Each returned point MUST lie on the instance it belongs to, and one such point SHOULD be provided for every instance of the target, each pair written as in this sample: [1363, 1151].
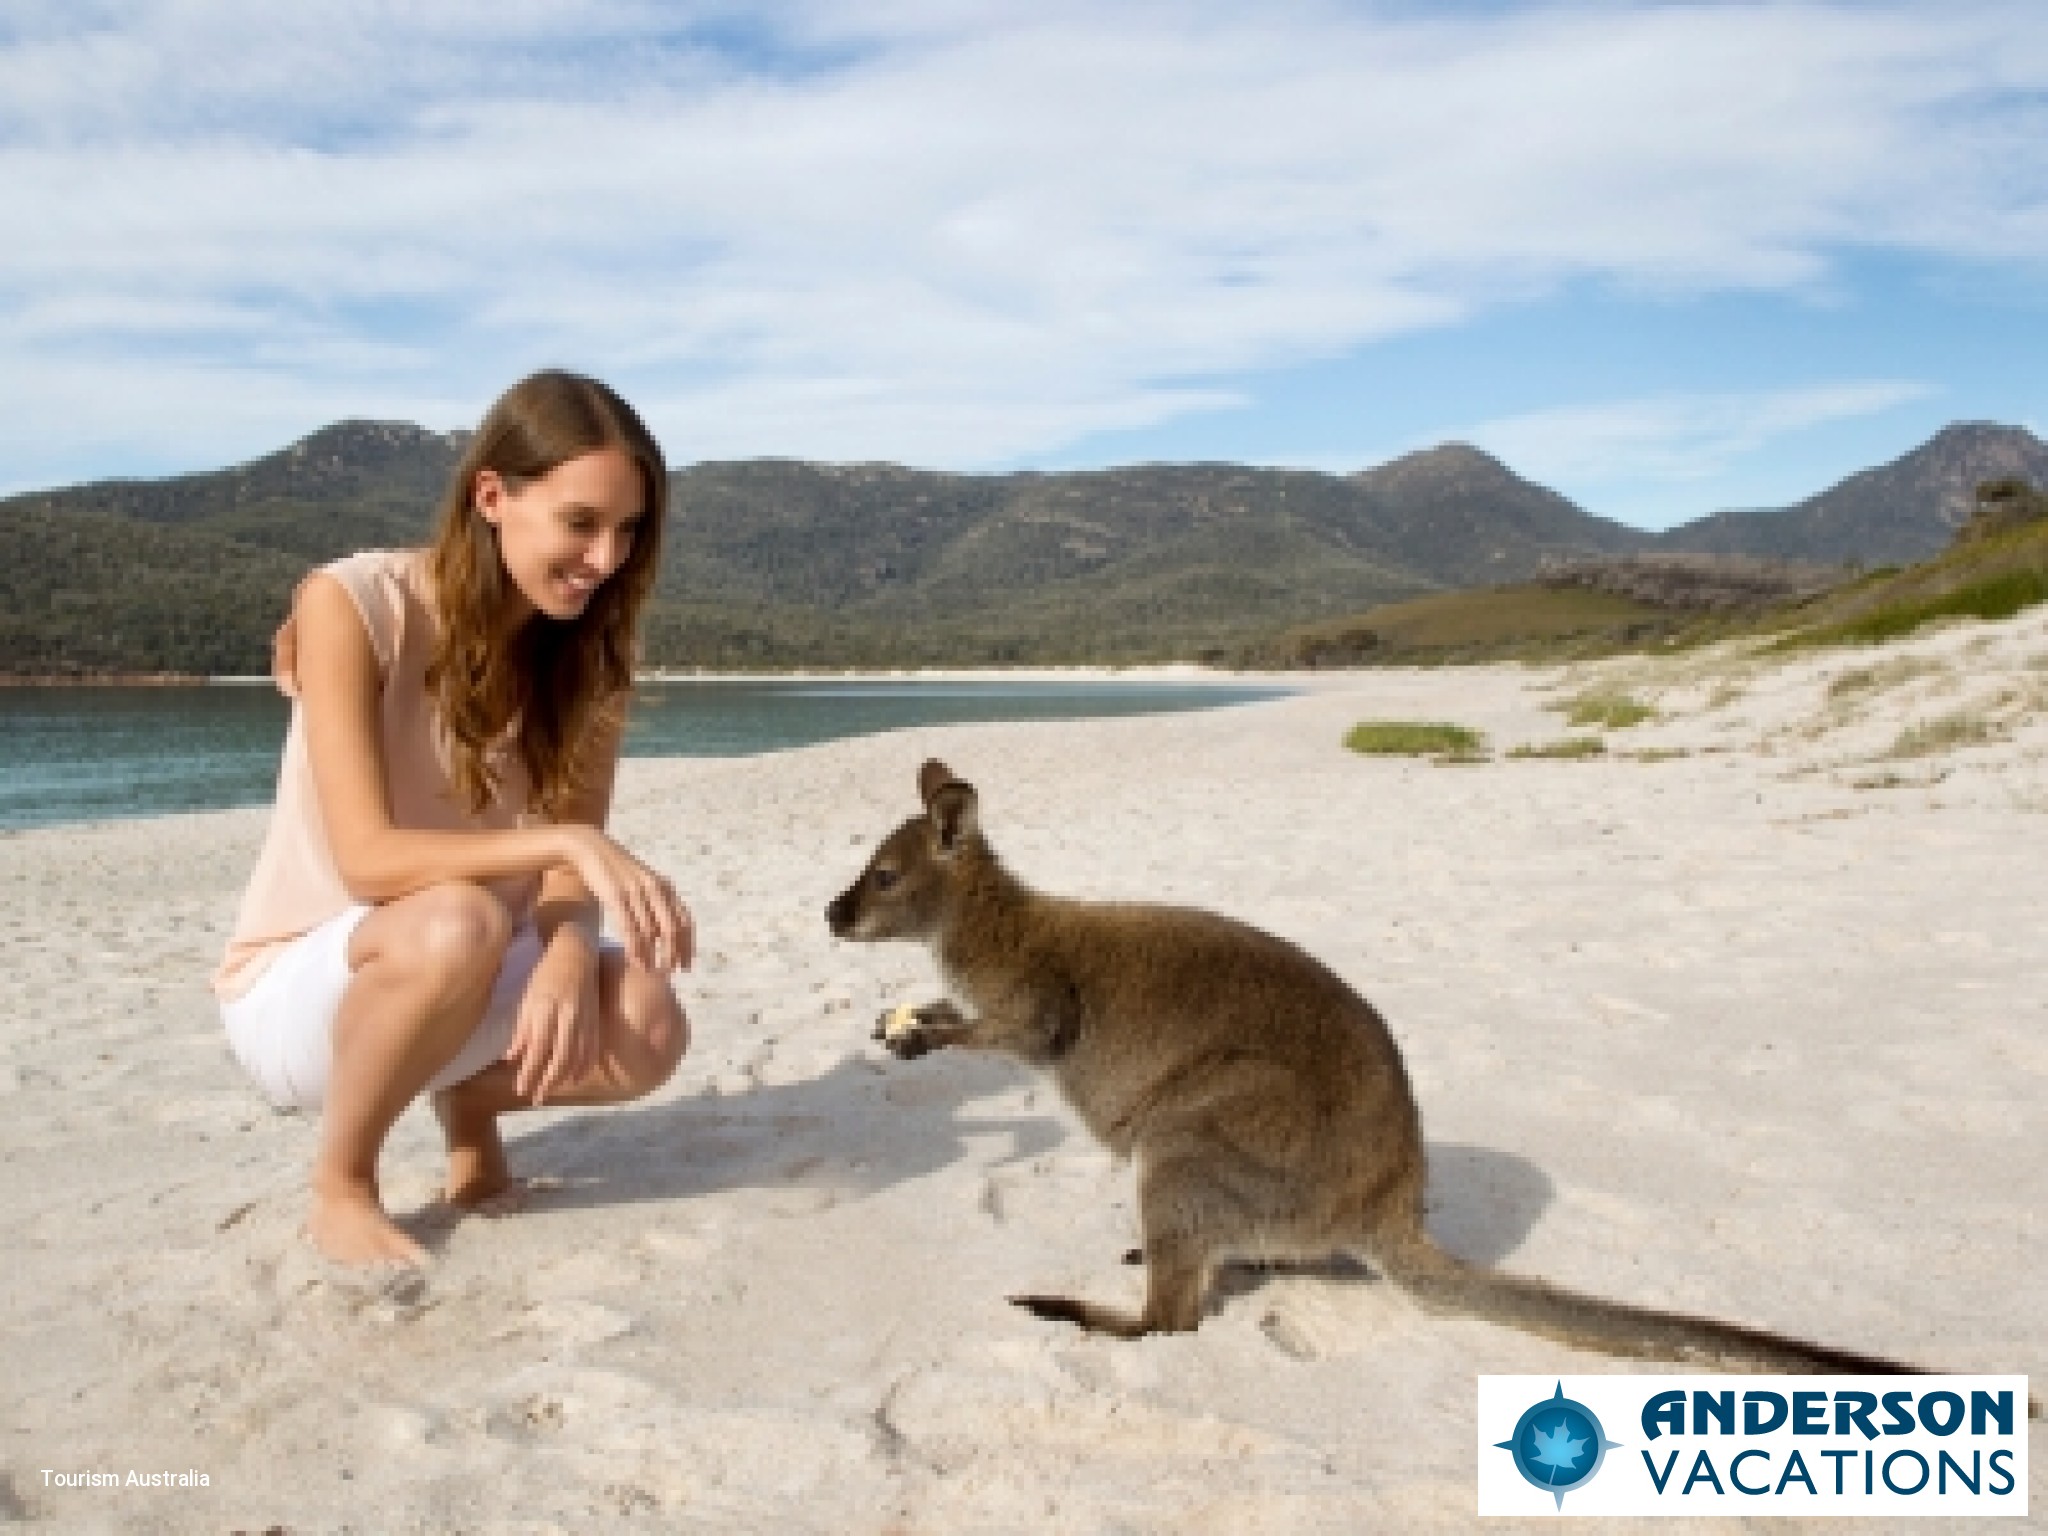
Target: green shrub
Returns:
[1995, 597]
[1612, 710]
[1964, 728]
[1407, 738]
[1569, 746]
[1900, 669]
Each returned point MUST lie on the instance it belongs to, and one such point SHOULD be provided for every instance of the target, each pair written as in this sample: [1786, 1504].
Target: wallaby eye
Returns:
[884, 878]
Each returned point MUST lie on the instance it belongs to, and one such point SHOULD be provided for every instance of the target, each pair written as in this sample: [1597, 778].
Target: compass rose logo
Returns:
[1558, 1445]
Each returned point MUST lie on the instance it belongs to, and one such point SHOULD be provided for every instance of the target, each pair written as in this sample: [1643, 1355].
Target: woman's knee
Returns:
[457, 930]
[656, 1032]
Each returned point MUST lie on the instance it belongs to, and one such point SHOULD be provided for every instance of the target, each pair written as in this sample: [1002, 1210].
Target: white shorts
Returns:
[282, 1028]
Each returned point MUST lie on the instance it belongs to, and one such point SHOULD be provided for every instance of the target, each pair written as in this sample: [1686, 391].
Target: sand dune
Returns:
[1744, 1016]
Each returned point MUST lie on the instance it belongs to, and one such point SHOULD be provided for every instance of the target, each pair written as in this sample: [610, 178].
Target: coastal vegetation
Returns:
[1995, 565]
[1885, 674]
[1959, 728]
[1409, 738]
[92, 593]
[1612, 711]
[1998, 596]
[1522, 621]
[1565, 747]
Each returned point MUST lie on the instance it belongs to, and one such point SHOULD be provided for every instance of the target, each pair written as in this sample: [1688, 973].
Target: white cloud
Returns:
[943, 234]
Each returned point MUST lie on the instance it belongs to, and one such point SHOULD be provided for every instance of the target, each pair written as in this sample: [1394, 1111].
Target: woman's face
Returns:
[564, 534]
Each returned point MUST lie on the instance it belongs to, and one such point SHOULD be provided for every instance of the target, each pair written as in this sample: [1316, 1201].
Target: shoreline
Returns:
[1189, 672]
[105, 680]
[1144, 672]
[1276, 687]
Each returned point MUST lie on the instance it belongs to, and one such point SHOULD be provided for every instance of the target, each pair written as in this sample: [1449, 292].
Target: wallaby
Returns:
[1263, 1099]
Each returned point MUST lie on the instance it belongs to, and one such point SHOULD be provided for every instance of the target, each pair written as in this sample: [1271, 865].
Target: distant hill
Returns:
[1992, 566]
[780, 563]
[349, 486]
[1470, 520]
[1893, 515]
[776, 563]
[1154, 560]
[90, 593]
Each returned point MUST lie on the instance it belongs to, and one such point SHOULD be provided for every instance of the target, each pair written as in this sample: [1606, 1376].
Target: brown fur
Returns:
[1263, 1099]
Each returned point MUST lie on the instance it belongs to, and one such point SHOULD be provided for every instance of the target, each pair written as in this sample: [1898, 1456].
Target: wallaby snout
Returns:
[895, 896]
[840, 912]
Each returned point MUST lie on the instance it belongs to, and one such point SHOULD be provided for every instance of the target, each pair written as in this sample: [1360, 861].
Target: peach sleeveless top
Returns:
[296, 886]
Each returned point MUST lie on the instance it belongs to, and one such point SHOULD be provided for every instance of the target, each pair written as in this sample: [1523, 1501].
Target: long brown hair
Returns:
[558, 680]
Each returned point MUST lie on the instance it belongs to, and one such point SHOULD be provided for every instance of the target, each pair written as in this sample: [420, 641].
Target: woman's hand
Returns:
[556, 1041]
[649, 917]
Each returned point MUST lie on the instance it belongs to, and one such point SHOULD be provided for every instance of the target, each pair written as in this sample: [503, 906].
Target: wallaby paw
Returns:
[907, 1032]
[1134, 1255]
[908, 1044]
[898, 1029]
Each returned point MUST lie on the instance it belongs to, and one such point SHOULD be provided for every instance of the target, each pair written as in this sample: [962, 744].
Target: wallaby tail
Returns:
[1447, 1284]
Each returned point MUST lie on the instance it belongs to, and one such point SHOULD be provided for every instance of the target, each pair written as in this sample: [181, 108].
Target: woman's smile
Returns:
[577, 587]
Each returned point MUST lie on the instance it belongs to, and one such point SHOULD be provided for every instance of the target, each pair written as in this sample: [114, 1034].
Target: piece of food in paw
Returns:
[902, 1020]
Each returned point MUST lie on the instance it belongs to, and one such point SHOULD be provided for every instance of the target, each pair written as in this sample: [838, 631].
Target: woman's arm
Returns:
[565, 898]
[557, 1038]
[336, 676]
[644, 901]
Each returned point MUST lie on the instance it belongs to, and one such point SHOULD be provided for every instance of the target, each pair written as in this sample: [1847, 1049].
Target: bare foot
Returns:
[477, 1171]
[348, 1225]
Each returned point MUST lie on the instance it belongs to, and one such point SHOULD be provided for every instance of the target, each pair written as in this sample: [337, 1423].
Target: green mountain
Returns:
[1898, 513]
[777, 563]
[782, 563]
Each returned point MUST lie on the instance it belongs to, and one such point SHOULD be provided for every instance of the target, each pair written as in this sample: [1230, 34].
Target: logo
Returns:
[1558, 1444]
[1742, 1445]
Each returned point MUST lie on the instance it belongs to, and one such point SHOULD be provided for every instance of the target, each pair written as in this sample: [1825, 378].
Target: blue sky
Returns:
[1665, 258]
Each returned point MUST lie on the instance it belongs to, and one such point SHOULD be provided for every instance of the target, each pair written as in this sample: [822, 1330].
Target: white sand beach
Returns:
[1743, 1017]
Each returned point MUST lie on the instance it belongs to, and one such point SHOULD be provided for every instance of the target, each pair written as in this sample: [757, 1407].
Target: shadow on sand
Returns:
[1480, 1205]
[867, 1125]
[858, 1129]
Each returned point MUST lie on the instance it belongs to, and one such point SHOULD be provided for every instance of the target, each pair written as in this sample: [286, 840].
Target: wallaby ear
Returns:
[931, 778]
[955, 816]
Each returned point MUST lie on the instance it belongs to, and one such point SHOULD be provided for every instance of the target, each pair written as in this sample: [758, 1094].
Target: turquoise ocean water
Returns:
[92, 754]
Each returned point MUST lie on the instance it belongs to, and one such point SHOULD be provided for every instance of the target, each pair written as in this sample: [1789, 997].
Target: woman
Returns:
[424, 913]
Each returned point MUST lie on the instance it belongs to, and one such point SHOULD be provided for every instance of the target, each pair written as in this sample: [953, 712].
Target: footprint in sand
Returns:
[521, 1194]
[568, 1324]
[997, 1424]
[1316, 1318]
[718, 1463]
[1289, 1336]
[411, 1429]
[800, 1200]
[379, 1293]
[681, 1251]
[585, 1271]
